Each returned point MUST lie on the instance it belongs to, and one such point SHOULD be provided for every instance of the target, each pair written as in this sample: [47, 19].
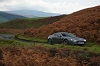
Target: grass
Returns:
[95, 48]
[4, 43]
[23, 23]
[35, 24]
[31, 19]
[90, 46]
[32, 39]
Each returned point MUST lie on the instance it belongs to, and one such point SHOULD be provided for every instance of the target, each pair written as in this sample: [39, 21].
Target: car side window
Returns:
[64, 35]
[58, 35]
[55, 34]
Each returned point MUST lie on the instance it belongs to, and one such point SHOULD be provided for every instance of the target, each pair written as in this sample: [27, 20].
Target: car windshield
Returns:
[68, 34]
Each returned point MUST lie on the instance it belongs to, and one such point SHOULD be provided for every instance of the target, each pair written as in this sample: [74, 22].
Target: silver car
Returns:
[66, 38]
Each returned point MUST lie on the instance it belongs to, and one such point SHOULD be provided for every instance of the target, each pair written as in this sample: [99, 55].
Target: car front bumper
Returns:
[78, 43]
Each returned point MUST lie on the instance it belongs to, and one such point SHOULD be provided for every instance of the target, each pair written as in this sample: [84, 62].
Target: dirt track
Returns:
[40, 56]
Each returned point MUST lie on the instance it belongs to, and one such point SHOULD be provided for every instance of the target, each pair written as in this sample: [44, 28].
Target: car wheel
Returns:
[66, 42]
[49, 41]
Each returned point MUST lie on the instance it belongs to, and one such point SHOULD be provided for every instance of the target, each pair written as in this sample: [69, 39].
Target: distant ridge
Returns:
[32, 13]
[30, 22]
[4, 16]
[2, 19]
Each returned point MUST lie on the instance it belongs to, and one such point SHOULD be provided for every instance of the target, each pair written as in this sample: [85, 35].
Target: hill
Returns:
[2, 19]
[84, 23]
[30, 22]
[7, 16]
[32, 13]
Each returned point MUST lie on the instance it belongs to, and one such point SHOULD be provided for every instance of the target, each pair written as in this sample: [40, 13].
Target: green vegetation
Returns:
[94, 48]
[6, 43]
[35, 18]
[23, 23]
[31, 41]
[30, 22]
[2, 19]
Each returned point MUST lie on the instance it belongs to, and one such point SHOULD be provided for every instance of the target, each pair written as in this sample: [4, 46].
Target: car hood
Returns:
[80, 39]
[76, 38]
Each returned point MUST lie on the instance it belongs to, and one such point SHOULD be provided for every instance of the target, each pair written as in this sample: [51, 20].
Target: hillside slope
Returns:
[9, 16]
[30, 22]
[2, 19]
[84, 23]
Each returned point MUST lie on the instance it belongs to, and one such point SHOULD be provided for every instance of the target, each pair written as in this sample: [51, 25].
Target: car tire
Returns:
[66, 42]
[50, 41]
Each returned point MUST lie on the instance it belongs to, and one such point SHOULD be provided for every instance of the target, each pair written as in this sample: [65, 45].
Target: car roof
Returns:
[62, 32]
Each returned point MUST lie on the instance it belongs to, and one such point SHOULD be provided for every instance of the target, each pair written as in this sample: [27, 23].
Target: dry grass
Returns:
[41, 56]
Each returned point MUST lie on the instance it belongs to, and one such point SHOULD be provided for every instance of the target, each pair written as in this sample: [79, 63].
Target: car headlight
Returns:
[73, 40]
[84, 40]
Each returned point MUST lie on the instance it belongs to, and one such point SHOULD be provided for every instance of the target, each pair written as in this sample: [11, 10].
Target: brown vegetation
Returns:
[14, 31]
[40, 56]
[84, 23]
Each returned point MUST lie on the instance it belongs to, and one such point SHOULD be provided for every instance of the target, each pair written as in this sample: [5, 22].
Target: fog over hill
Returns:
[32, 13]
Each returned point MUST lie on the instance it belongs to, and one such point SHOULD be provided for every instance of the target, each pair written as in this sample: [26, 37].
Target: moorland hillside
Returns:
[84, 23]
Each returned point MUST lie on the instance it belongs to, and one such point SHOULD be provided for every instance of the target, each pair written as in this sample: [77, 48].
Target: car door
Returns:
[57, 38]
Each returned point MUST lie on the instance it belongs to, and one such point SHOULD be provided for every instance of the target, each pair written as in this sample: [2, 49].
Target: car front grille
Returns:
[81, 42]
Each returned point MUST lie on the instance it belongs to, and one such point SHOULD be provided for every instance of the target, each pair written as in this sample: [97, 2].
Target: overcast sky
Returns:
[54, 6]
